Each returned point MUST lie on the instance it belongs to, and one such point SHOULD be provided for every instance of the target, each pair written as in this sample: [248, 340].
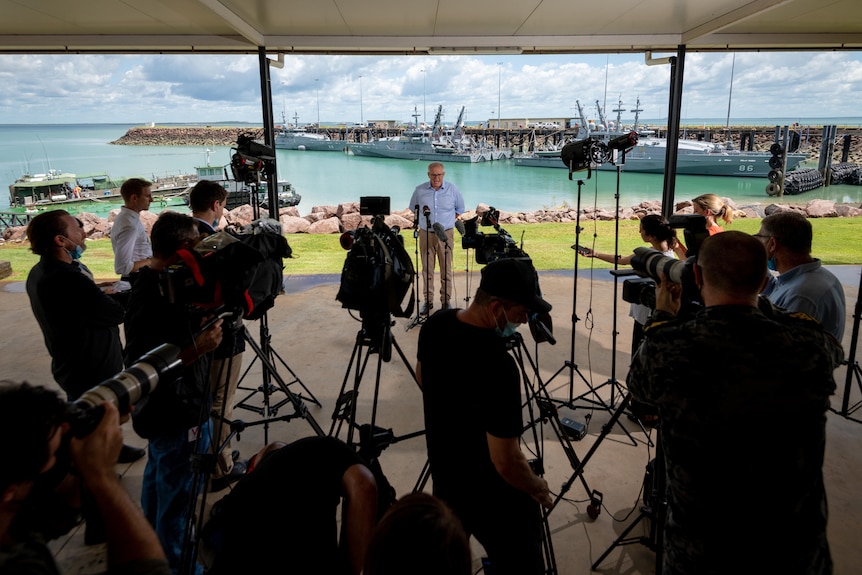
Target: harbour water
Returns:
[330, 178]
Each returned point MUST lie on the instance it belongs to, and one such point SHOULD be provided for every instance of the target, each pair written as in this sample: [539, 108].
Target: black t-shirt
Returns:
[281, 517]
[471, 387]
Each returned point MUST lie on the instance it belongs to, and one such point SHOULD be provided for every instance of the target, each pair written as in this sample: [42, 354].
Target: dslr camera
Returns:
[649, 264]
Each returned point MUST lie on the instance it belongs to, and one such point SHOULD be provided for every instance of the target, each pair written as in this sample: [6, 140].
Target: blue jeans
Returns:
[167, 489]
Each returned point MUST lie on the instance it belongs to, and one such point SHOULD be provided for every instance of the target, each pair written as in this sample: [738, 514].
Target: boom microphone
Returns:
[441, 233]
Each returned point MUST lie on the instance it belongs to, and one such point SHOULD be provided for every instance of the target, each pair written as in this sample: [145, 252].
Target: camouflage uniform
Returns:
[742, 395]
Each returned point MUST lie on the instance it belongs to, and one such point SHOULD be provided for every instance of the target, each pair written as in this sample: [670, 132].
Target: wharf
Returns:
[761, 137]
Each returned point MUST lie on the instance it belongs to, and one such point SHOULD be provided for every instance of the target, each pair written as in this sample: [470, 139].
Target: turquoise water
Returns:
[330, 178]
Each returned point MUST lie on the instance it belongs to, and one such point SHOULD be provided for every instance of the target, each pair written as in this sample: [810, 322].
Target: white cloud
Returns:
[212, 88]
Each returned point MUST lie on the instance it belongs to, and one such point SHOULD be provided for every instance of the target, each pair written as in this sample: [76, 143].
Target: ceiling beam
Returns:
[740, 14]
[248, 31]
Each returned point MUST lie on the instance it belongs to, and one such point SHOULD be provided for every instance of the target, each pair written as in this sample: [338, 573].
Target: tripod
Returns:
[375, 337]
[852, 365]
[570, 365]
[654, 509]
[267, 357]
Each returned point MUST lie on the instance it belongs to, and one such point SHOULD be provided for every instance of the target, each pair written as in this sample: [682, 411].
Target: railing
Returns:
[12, 219]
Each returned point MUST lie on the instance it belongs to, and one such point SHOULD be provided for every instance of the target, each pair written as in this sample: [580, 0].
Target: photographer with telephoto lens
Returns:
[726, 383]
[174, 418]
[38, 453]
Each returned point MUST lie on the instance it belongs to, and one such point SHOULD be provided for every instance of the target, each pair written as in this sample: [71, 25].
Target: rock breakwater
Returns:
[189, 136]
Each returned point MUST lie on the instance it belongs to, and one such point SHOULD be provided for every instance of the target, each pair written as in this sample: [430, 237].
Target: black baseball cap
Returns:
[515, 280]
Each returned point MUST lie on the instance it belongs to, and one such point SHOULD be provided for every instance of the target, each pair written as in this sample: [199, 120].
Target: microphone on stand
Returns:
[459, 225]
[427, 212]
[441, 233]
[416, 217]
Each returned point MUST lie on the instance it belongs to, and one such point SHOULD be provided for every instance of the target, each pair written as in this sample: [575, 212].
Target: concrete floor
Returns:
[314, 337]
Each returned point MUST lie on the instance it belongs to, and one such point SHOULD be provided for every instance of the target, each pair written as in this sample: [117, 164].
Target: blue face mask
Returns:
[507, 331]
[76, 253]
[770, 264]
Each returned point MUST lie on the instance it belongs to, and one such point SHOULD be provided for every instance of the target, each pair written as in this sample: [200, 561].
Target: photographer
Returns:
[33, 441]
[736, 481]
[473, 417]
[175, 417]
[656, 230]
[207, 200]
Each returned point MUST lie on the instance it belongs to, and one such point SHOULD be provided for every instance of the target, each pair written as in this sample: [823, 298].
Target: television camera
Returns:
[239, 269]
[251, 159]
[378, 271]
[489, 247]
[649, 264]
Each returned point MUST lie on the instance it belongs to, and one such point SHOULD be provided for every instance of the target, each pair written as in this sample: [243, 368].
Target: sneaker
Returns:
[237, 473]
[129, 454]
[426, 308]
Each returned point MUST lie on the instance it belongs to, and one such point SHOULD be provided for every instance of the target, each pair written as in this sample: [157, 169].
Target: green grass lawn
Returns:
[836, 241]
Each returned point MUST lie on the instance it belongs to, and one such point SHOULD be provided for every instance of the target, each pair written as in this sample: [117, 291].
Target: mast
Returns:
[729, 98]
[619, 111]
[601, 115]
[459, 125]
[435, 130]
[637, 112]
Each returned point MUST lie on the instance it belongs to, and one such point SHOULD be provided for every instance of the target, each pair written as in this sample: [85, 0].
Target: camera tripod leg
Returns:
[345, 409]
[655, 512]
[270, 373]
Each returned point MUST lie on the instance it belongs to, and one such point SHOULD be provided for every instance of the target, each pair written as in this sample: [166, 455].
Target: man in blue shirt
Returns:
[803, 284]
[438, 204]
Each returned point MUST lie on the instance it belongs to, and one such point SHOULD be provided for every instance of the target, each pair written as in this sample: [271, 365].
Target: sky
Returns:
[48, 89]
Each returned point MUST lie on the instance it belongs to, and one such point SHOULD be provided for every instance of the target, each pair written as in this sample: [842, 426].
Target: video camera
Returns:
[377, 271]
[649, 264]
[489, 247]
[240, 269]
[250, 159]
[125, 389]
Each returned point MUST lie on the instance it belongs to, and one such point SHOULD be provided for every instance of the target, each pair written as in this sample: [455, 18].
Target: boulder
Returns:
[328, 226]
[294, 224]
[821, 209]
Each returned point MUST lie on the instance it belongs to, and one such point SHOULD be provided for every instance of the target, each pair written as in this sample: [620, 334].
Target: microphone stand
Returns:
[427, 266]
[418, 319]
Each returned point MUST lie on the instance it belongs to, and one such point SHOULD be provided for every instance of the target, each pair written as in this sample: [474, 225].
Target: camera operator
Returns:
[439, 204]
[207, 200]
[742, 390]
[175, 417]
[803, 284]
[34, 446]
[79, 322]
[473, 417]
